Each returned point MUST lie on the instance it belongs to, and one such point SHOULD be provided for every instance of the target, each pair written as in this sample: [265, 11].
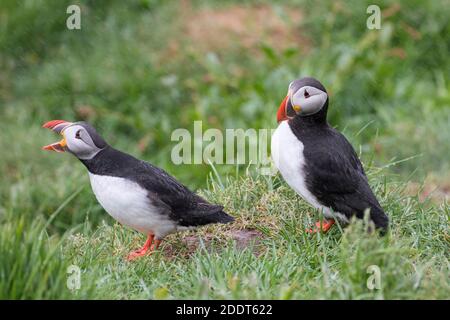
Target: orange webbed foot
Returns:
[149, 246]
[322, 226]
[136, 254]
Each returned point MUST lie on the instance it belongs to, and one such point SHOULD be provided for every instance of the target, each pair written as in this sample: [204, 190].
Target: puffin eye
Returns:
[306, 94]
[77, 134]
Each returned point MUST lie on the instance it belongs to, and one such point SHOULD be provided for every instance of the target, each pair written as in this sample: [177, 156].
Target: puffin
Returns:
[136, 193]
[318, 162]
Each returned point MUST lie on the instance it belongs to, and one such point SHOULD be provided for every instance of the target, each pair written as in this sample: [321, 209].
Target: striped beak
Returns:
[281, 113]
[57, 126]
[286, 110]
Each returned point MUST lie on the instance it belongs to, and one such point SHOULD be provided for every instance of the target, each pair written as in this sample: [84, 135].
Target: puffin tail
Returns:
[206, 213]
[215, 214]
[223, 217]
[380, 219]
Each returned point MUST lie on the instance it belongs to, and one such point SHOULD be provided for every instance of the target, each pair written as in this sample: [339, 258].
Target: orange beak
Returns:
[57, 126]
[281, 113]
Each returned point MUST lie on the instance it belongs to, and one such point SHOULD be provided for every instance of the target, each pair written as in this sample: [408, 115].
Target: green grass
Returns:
[137, 71]
[288, 263]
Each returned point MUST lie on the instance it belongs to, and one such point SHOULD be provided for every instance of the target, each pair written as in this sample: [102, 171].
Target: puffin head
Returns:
[79, 138]
[306, 97]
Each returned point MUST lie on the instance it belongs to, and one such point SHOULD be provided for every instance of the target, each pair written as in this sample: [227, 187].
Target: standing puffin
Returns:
[132, 191]
[318, 162]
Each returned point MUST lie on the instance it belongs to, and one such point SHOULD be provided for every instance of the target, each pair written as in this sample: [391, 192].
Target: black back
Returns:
[334, 173]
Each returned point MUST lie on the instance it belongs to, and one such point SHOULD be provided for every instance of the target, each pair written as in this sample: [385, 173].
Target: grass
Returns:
[286, 262]
[137, 73]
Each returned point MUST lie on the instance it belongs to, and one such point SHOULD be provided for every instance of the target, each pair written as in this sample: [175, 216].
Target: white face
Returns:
[307, 100]
[79, 142]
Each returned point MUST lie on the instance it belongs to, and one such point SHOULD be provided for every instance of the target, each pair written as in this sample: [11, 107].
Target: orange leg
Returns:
[323, 226]
[148, 245]
[155, 245]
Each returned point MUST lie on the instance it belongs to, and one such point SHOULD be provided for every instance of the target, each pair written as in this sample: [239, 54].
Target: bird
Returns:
[318, 162]
[134, 192]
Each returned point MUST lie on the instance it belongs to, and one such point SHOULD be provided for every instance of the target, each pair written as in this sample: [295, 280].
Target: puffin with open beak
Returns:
[318, 162]
[134, 192]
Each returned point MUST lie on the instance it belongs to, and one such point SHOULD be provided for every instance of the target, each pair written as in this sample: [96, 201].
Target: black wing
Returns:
[182, 205]
[336, 177]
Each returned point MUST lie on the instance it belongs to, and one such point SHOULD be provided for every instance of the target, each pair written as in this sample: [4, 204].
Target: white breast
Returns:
[287, 155]
[128, 203]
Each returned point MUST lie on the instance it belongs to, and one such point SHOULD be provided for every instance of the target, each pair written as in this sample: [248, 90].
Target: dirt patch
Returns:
[242, 26]
[244, 238]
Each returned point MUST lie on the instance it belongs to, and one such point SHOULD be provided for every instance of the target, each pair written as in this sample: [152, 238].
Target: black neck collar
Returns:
[316, 119]
[109, 161]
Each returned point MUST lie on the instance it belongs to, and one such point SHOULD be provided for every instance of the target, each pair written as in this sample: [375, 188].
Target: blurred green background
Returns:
[139, 69]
